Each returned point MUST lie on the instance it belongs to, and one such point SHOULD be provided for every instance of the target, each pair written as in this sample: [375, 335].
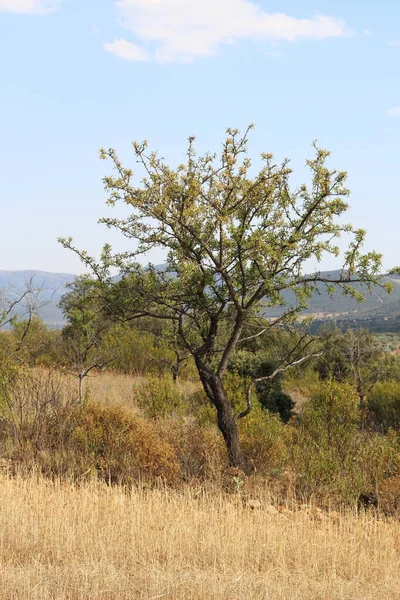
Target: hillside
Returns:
[325, 306]
[380, 310]
[52, 287]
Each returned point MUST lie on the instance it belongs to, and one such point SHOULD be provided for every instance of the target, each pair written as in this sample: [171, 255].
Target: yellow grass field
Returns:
[61, 541]
[122, 390]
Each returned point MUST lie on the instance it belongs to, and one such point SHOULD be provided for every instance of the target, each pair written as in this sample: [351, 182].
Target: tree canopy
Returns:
[235, 242]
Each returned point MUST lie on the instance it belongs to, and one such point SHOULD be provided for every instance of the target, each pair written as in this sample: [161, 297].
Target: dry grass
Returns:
[113, 389]
[59, 541]
[122, 390]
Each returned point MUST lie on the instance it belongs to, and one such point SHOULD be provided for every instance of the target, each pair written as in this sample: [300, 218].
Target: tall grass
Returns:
[61, 541]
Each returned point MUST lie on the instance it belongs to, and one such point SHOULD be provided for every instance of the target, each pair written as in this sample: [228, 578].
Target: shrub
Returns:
[42, 426]
[323, 440]
[199, 448]
[264, 441]
[389, 496]
[329, 454]
[36, 407]
[269, 392]
[158, 396]
[202, 409]
[383, 405]
[123, 447]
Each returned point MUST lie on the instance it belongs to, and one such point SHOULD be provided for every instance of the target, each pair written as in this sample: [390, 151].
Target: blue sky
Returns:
[80, 74]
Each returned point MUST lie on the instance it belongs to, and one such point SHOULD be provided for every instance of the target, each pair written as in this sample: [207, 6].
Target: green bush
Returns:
[41, 346]
[264, 441]
[329, 454]
[331, 416]
[250, 365]
[323, 439]
[201, 408]
[383, 405]
[158, 396]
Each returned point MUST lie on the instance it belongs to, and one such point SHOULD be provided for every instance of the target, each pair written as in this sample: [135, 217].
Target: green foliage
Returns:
[331, 416]
[235, 388]
[329, 453]
[86, 326]
[134, 350]
[323, 440]
[40, 345]
[383, 406]
[269, 392]
[264, 441]
[202, 409]
[139, 350]
[354, 356]
[158, 396]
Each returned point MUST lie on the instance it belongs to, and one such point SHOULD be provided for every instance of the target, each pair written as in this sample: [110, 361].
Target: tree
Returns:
[260, 365]
[17, 310]
[41, 345]
[355, 356]
[82, 336]
[176, 356]
[235, 243]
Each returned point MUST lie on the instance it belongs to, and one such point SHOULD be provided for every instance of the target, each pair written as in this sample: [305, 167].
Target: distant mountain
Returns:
[324, 306]
[52, 287]
[380, 310]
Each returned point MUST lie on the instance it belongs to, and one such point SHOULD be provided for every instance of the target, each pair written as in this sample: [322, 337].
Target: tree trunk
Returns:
[227, 423]
[80, 387]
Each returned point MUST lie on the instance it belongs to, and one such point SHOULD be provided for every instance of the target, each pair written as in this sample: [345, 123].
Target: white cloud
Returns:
[127, 50]
[183, 30]
[367, 32]
[29, 7]
[394, 112]
[394, 43]
[95, 30]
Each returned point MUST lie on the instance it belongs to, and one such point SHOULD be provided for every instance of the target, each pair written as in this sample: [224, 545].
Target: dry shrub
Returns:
[389, 496]
[43, 427]
[200, 450]
[36, 409]
[123, 447]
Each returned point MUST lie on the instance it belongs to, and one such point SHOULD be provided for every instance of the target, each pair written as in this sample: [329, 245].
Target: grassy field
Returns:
[123, 390]
[61, 541]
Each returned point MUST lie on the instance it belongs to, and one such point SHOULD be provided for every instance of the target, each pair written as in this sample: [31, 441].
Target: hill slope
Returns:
[324, 306]
[378, 305]
[52, 287]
